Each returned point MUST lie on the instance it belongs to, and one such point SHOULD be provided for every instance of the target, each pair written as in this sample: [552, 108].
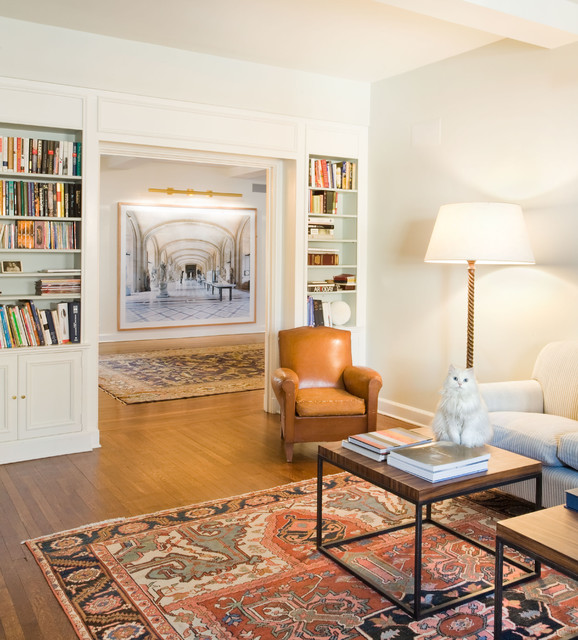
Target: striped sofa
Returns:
[538, 418]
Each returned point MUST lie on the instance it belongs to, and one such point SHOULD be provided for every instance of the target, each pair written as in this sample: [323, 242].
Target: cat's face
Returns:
[461, 379]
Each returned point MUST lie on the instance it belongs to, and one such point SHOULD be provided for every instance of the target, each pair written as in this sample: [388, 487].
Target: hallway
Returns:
[187, 302]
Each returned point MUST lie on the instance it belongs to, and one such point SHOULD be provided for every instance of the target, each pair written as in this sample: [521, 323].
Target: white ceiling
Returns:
[364, 40]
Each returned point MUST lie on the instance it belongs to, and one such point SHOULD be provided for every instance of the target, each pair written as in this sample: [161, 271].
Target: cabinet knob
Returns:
[14, 397]
[23, 397]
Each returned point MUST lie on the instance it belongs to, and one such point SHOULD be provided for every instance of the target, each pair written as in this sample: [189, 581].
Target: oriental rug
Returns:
[246, 567]
[171, 374]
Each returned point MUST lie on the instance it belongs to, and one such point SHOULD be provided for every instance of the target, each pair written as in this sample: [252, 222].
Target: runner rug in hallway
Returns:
[170, 374]
[247, 567]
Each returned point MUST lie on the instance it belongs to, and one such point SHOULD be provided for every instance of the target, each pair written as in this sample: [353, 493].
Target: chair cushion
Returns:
[534, 435]
[568, 449]
[327, 401]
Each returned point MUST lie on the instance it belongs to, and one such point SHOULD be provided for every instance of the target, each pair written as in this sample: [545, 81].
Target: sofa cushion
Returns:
[535, 435]
[327, 401]
[568, 449]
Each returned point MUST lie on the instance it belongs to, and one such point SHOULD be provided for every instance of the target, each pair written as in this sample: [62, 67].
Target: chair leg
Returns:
[289, 451]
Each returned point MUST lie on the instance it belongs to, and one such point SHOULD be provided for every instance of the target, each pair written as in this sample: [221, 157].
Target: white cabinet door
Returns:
[49, 394]
[8, 398]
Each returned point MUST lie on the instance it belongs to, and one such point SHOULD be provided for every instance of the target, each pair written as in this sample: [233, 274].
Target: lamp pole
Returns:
[471, 283]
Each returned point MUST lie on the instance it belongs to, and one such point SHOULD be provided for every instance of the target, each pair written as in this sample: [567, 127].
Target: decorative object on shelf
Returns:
[185, 266]
[461, 415]
[340, 312]
[193, 192]
[11, 266]
[483, 233]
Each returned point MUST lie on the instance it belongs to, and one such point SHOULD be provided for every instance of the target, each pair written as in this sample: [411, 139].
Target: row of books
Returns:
[378, 444]
[332, 174]
[34, 155]
[318, 312]
[323, 202]
[54, 286]
[320, 257]
[40, 199]
[39, 234]
[25, 325]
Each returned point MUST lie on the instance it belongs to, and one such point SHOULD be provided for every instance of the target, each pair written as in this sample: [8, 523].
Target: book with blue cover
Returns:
[572, 499]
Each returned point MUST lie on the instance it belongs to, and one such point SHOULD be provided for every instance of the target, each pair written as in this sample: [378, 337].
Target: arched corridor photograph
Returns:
[184, 266]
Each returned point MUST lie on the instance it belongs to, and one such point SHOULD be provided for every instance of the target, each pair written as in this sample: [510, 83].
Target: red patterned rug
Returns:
[246, 567]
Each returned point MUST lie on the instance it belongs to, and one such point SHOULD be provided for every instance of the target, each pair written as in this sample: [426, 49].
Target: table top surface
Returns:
[550, 533]
[503, 467]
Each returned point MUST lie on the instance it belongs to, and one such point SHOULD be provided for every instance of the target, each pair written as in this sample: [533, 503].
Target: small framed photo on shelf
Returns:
[11, 266]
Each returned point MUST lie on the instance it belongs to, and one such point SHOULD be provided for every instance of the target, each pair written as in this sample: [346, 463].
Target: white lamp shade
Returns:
[484, 232]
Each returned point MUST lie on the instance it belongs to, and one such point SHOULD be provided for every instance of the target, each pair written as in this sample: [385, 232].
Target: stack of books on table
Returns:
[441, 460]
[378, 444]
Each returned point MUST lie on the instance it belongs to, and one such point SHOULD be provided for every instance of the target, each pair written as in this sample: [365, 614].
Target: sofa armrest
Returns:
[517, 395]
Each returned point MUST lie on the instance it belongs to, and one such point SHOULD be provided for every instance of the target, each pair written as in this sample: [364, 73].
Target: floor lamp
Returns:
[479, 233]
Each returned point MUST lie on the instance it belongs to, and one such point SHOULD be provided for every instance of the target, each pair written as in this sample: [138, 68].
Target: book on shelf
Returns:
[63, 322]
[438, 456]
[378, 457]
[320, 286]
[387, 440]
[48, 327]
[572, 499]
[74, 321]
[441, 474]
[318, 313]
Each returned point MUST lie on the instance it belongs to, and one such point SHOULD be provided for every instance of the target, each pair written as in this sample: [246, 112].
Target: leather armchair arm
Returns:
[285, 385]
[362, 382]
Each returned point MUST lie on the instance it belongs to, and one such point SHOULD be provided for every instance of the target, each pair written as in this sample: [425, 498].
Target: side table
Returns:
[549, 535]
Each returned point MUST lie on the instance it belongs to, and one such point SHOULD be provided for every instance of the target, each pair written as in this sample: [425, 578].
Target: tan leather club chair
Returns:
[322, 396]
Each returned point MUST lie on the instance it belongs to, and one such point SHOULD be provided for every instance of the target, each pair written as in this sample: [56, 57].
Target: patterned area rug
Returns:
[170, 374]
[246, 567]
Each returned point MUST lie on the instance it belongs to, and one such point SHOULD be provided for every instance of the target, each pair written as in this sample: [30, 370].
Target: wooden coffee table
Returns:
[550, 535]
[504, 467]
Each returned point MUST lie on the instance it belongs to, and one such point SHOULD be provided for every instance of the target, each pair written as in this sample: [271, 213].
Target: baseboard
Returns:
[404, 412]
[35, 448]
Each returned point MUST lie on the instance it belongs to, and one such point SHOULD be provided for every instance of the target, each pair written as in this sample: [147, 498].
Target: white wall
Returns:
[62, 56]
[496, 124]
[128, 180]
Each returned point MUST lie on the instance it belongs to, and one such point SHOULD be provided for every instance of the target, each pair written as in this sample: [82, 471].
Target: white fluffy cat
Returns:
[461, 415]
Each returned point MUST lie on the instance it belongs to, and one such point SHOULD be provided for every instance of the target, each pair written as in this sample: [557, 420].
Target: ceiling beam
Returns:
[544, 23]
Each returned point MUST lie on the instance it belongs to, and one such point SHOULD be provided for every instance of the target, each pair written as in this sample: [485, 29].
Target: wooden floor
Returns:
[152, 456]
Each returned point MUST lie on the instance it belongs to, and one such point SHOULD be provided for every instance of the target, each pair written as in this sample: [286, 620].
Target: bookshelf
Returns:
[332, 241]
[41, 265]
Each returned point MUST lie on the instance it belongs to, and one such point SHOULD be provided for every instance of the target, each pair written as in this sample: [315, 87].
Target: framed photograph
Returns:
[184, 266]
[11, 266]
